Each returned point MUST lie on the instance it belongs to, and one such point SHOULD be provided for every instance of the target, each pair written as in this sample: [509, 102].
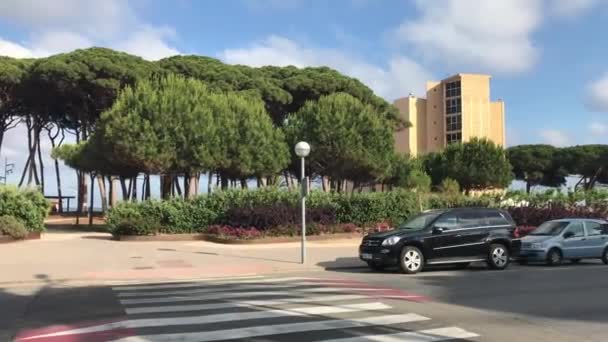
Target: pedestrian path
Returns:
[263, 309]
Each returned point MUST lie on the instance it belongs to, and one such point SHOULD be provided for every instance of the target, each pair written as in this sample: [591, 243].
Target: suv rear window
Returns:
[496, 218]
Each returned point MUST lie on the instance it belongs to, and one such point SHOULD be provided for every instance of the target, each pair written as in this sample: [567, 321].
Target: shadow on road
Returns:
[569, 291]
[51, 303]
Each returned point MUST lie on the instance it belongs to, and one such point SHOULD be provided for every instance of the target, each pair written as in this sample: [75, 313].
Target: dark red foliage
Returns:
[535, 216]
[277, 215]
[522, 231]
[234, 232]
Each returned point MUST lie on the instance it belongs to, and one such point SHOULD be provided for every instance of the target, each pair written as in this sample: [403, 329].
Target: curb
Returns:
[212, 238]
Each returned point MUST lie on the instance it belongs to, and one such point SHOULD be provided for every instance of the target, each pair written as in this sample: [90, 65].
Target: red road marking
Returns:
[379, 292]
[98, 336]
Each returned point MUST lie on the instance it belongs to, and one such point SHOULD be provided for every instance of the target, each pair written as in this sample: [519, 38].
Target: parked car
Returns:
[566, 239]
[447, 236]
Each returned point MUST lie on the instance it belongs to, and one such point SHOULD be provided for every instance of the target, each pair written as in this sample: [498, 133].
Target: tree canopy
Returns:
[537, 165]
[349, 141]
[76, 87]
[590, 162]
[477, 164]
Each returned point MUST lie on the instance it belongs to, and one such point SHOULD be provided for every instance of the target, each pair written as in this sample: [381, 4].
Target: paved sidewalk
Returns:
[61, 257]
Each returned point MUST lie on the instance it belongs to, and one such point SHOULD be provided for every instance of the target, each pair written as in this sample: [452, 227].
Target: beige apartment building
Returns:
[455, 109]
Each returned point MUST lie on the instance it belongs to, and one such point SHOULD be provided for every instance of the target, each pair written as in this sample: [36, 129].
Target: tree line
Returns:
[547, 165]
[184, 116]
[187, 115]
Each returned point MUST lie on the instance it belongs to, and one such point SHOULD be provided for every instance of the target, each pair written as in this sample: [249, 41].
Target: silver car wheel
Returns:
[412, 260]
[499, 256]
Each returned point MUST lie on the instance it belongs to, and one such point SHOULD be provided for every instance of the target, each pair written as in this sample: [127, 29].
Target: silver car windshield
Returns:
[419, 222]
[550, 228]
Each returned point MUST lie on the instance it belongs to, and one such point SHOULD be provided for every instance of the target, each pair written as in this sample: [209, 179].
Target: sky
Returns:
[546, 57]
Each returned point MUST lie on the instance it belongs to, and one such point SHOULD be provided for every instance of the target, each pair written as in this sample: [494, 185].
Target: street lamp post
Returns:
[302, 151]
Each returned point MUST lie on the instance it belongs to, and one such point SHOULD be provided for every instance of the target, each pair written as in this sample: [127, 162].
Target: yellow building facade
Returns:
[455, 109]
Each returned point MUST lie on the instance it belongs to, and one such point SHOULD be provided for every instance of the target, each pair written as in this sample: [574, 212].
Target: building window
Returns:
[453, 106]
[453, 123]
[452, 138]
[452, 89]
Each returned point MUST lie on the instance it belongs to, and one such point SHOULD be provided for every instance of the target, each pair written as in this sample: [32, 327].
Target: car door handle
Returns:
[583, 239]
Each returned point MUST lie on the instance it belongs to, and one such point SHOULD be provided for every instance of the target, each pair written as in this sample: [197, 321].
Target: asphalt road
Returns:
[523, 303]
[569, 299]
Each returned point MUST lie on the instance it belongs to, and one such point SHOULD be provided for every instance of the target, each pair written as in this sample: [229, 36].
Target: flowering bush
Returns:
[382, 227]
[234, 232]
[535, 216]
[237, 233]
[265, 217]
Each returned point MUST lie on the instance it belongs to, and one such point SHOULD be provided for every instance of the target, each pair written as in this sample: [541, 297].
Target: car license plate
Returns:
[366, 256]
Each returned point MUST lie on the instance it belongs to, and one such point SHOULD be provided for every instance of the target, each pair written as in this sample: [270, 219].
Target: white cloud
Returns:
[571, 8]
[597, 94]
[555, 137]
[598, 128]
[149, 43]
[494, 36]
[65, 25]
[400, 77]
[14, 50]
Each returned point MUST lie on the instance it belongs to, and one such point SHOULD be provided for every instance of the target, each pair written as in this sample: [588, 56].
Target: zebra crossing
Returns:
[264, 309]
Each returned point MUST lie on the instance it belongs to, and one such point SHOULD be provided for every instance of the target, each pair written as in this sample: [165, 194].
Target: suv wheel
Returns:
[605, 256]
[411, 260]
[375, 266]
[498, 258]
[554, 257]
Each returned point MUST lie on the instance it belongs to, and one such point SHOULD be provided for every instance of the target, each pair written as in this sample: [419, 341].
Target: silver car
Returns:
[566, 239]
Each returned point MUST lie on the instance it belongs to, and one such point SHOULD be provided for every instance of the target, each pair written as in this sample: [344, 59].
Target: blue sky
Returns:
[547, 57]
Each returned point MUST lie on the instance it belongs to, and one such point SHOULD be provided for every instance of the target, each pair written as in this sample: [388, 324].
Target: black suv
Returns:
[447, 236]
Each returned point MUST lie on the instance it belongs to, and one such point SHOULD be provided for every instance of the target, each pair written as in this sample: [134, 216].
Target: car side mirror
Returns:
[438, 230]
[568, 235]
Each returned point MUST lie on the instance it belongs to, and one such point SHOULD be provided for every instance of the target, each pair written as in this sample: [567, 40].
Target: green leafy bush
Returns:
[29, 206]
[12, 227]
[274, 209]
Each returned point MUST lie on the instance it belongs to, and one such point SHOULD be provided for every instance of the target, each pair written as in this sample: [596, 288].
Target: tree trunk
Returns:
[166, 186]
[528, 187]
[134, 189]
[197, 187]
[102, 193]
[224, 180]
[178, 189]
[41, 164]
[30, 165]
[143, 188]
[52, 138]
[113, 191]
[192, 183]
[25, 170]
[243, 183]
[209, 182]
[287, 179]
[147, 191]
[92, 200]
[187, 186]
[123, 187]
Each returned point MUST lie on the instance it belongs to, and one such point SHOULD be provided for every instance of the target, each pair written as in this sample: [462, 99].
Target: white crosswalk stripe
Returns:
[276, 309]
[245, 303]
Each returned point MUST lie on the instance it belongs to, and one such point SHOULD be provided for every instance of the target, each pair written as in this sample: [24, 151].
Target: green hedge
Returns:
[27, 205]
[361, 209]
